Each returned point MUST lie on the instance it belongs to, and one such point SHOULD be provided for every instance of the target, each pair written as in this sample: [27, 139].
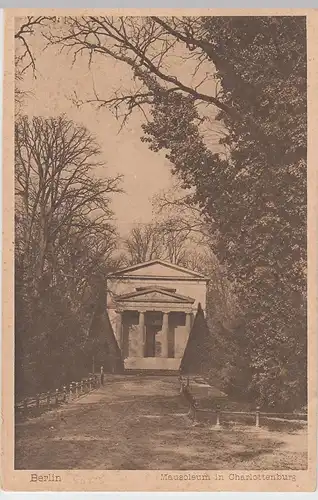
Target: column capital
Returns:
[165, 318]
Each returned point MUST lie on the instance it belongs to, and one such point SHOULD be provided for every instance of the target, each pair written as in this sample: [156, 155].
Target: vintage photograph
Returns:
[160, 308]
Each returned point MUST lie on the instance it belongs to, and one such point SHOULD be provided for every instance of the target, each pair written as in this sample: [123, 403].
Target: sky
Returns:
[145, 173]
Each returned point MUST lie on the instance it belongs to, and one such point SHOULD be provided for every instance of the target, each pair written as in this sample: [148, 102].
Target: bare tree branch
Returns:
[146, 46]
[26, 30]
[114, 37]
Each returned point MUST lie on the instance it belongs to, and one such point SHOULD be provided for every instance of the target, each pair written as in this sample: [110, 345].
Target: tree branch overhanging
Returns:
[138, 43]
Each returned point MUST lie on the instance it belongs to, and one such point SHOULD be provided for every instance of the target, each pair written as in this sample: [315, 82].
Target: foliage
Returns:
[257, 196]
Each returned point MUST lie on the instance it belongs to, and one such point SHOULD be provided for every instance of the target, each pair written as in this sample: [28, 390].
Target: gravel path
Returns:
[140, 422]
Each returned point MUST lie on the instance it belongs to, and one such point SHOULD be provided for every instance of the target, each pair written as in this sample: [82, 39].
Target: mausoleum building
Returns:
[151, 307]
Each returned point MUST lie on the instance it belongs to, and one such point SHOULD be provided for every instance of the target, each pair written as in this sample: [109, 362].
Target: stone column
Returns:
[141, 334]
[165, 333]
[188, 322]
[119, 330]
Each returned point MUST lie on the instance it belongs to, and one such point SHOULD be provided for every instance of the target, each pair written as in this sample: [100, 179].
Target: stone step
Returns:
[147, 372]
[158, 363]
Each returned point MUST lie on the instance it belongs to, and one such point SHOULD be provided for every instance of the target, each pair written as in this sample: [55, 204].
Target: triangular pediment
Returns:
[154, 295]
[158, 268]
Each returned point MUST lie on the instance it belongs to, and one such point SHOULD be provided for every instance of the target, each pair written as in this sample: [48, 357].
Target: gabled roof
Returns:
[158, 268]
[154, 294]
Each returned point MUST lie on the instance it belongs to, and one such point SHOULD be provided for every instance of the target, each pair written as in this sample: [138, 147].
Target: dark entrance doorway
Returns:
[153, 326]
[152, 348]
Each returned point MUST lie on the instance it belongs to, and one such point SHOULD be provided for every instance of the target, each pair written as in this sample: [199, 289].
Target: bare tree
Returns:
[58, 197]
[143, 243]
[176, 240]
[190, 216]
[64, 244]
[167, 239]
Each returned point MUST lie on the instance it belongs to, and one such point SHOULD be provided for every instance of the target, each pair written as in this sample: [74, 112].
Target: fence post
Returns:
[64, 394]
[194, 411]
[190, 410]
[90, 383]
[82, 386]
[56, 397]
[218, 425]
[76, 389]
[257, 416]
[188, 397]
[101, 375]
[71, 390]
[181, 384]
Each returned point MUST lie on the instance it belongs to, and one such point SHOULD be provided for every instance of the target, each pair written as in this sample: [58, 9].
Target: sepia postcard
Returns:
[159, 250]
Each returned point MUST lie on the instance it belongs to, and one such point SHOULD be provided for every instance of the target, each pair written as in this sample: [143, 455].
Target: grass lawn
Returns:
[141, 423]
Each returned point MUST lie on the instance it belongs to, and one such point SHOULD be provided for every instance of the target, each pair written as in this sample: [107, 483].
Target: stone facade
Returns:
[151, 307]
